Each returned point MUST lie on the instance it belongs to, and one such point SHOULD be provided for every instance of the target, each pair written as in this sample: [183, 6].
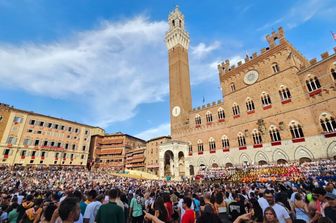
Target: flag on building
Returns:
[333, 35]
[203, 99]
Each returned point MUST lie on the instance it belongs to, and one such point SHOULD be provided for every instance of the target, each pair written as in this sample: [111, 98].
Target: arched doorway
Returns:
[192, 171]
[181, 164]
[168, 163]
[214, 165]
[304, 160]
[262, 162]
[281, 161]
[228, 165]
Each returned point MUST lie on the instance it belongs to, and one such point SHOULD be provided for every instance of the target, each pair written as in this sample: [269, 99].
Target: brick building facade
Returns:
[278, 107]
[29, 138]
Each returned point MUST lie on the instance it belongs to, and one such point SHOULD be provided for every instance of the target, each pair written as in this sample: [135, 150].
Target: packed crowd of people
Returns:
[64, 194]
[323, 169]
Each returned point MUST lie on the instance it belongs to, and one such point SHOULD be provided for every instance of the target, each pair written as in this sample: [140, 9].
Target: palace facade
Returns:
[118, 151]
[29, 138]
[277, 106]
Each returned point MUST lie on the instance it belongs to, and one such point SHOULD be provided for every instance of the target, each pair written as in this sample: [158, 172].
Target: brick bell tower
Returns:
[177, 41]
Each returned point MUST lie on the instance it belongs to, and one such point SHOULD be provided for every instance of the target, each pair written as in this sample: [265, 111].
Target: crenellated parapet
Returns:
[208, 105]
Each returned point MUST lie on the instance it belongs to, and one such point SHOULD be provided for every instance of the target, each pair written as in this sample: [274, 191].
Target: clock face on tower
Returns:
[176, 111]
[251, 77]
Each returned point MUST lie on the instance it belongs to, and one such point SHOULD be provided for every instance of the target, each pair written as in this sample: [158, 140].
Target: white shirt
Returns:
[281, 213]
[91, 211]
[80, 220]
[263, 203]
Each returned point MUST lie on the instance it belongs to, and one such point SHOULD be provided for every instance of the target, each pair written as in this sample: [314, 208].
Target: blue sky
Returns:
[105, 62]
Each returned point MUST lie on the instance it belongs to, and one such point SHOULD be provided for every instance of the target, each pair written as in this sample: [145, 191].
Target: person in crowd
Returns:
[221, 207]
[189, 214]
[13, 214]
[69, 210]
[136, 208]
[270, 216]
[169, 206]
[92, 208]
[330, 208]
[160, 209]
[181, 210]
[110, 212]
[236, 207]
[33, 214]
[197, 205]
[48, 210]
[281, 212]
[301, 208]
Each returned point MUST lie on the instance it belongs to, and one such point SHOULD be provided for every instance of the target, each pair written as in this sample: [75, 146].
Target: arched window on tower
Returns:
[221, 115]
[275, 135]
[233, 87]
[235, 110]
[212, 145]
[257, 140]
[250, 106]
[328, 123]
[266, 100]
[198, 120]
[241, 141]
[190, 148]
[275, 68]
[313, 85]
[208, 117]
[200, 148]
[285, 94]
[225, 143]
[296, 131]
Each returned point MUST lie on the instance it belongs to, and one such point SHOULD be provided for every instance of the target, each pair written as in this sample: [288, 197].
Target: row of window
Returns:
[312, 82]
[42, 154]
[250, 107]
[55, 134]
[55, 126]
[328, 125]
[29, 142]
[49, 125]
[313, 85]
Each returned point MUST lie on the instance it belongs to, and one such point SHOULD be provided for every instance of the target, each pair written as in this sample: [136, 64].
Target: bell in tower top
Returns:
[176, 19]
[176, 33]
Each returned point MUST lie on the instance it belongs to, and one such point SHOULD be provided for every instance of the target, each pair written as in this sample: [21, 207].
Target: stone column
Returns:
[161, 168]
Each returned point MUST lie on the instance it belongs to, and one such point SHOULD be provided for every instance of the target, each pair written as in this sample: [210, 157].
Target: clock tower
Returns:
[177, 41]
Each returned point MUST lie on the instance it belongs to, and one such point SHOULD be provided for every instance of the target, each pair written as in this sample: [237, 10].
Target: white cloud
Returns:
[301, 13]
[202, 50]
[108, 71]
[161, 130]
[111, 70]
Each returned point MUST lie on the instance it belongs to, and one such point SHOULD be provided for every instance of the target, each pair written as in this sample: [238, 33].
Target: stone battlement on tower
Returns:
[208, 105]
[272, 39]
